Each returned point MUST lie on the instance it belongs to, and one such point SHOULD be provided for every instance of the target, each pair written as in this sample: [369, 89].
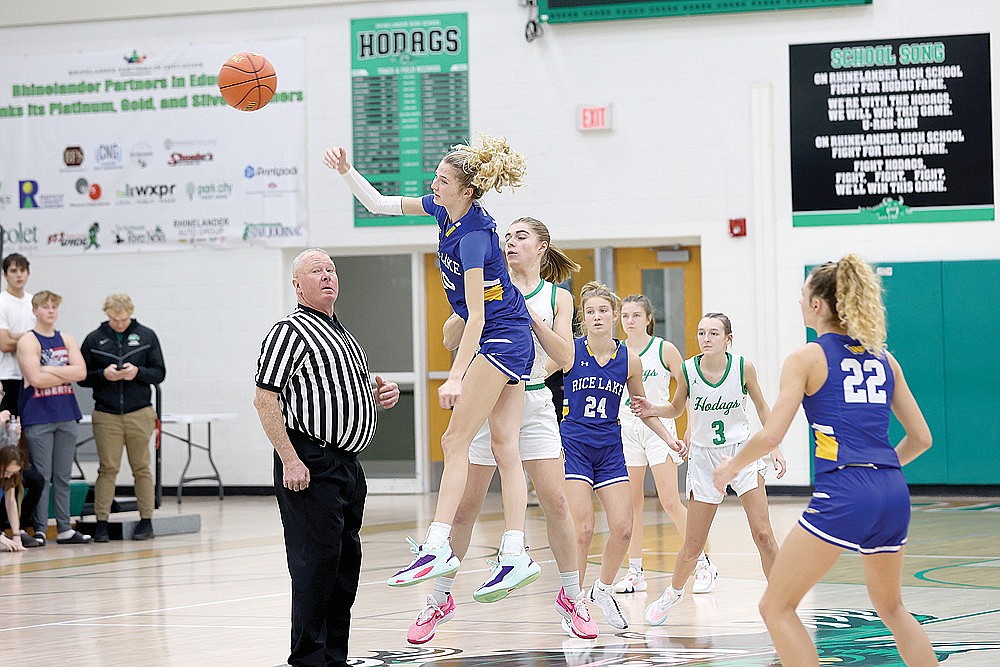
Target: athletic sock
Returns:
[442, 589]
[571, 583]
[635, 564]
[512, 542]
[437, 534]
[65, 535]
[601, 586]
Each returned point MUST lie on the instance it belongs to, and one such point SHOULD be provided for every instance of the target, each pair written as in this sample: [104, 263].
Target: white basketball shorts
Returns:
[539, 437]
[702, 462]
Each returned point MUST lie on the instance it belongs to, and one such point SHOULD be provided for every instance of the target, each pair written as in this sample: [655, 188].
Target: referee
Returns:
[317, 406]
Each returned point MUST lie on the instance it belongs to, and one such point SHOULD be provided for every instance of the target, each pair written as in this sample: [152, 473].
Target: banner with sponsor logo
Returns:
[136, 150]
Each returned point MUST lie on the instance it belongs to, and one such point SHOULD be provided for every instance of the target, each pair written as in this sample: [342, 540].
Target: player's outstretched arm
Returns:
[636, 390]
[642, 407]
[794, 375]
[336, 158]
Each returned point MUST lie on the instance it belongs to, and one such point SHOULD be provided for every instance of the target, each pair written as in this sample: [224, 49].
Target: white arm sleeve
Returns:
[369, 197]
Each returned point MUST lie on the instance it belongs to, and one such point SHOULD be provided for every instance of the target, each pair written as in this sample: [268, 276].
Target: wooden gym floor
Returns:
[221, 596]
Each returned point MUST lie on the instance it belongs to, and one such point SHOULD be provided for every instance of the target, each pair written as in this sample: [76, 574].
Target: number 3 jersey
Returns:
[592, 396]
[717, 415]
[849, 415]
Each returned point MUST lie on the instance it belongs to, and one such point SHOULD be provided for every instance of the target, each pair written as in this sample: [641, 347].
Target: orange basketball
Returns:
[247, 81]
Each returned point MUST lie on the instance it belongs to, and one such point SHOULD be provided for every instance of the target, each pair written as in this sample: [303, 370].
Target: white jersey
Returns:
[539, 434]
[655, 379]
[17, 317]
[542, 300]
[717, 412]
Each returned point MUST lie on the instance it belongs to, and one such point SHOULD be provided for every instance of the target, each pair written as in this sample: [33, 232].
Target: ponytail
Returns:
[859, 302]
[854, 293]
[489, 163]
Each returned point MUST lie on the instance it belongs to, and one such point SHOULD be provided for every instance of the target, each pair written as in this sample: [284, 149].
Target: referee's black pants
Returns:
[322, 527]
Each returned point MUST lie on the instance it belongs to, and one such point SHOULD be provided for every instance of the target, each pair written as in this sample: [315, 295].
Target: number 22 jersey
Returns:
[849, 414]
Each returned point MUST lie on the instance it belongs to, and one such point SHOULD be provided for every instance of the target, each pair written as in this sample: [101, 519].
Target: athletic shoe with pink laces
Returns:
[576, 615]
[433, 615]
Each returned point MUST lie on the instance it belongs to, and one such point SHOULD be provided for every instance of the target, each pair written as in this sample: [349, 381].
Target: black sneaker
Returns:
[28, 542]
[143, 530]
[101, 532]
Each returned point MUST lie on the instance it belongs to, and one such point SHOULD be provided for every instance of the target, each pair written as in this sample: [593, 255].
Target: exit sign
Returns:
[593, 117]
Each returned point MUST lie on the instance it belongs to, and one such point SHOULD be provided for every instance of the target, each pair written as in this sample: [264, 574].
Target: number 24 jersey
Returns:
[592, 396]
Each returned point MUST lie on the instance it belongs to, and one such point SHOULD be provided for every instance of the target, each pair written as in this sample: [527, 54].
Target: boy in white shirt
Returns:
[16, 318]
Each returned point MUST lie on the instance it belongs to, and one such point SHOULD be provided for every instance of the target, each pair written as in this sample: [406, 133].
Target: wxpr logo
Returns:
[160, 191]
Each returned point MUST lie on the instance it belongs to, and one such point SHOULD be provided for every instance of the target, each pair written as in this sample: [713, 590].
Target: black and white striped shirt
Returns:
[320, 374]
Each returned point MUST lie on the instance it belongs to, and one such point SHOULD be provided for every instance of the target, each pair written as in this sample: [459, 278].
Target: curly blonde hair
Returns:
[854, 293]
[489, 163]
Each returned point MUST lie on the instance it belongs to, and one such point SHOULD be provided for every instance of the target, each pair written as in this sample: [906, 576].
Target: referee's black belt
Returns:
[305, 438]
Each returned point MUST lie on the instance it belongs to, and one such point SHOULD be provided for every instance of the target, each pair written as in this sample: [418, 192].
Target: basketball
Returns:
[247, 81]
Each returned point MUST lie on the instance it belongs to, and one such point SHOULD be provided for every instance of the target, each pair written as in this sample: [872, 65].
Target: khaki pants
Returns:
[111, 433]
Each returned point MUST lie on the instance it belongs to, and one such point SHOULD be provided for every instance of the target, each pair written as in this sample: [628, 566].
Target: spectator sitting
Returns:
[29, 479]
[10, 491]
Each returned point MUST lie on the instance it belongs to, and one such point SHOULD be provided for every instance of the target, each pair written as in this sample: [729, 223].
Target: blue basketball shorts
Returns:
[510, 349]
[599, 465]
[861, 508]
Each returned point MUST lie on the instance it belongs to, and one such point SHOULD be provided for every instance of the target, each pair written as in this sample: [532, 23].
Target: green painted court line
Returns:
[922, 575]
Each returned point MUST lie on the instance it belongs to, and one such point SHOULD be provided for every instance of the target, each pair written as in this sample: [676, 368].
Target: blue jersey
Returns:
[849, 415]
[472, 242]
[592, 396]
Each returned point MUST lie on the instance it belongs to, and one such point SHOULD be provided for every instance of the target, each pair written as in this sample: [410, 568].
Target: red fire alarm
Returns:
[737, 227]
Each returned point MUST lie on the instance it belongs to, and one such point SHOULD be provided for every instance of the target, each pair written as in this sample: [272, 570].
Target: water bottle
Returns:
[13, 430]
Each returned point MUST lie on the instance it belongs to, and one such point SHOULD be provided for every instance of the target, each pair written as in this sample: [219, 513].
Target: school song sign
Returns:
[135, 150]
[891, 131]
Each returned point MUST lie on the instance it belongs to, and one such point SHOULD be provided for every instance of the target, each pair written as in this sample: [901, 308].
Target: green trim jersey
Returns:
[717, 411]
[655, 378]
[542, 300]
